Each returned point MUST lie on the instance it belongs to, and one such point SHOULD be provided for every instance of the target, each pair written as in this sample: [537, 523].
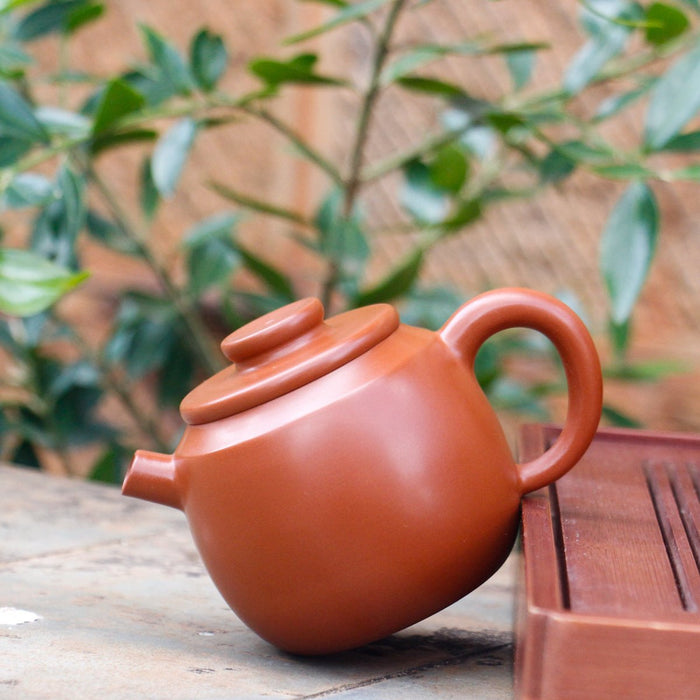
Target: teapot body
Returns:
[364, 502]
[346, 478]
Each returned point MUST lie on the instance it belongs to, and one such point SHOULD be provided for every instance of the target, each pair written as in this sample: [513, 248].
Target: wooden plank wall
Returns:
[550, 243]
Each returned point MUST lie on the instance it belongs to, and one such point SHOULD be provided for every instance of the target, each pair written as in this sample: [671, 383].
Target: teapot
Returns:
[345, 478]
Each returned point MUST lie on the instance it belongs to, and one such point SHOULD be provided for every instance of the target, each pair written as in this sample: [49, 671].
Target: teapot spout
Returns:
[151, 477]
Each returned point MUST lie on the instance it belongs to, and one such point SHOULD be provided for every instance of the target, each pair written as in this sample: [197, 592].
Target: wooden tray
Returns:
[610, 593]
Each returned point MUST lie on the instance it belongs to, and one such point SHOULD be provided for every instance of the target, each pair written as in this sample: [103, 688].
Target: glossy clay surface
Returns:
[380, 487]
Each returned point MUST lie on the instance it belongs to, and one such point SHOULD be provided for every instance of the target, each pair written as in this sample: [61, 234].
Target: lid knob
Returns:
[273, 329]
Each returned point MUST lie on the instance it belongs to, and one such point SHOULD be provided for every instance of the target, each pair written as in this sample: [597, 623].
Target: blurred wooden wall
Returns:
[550, 243]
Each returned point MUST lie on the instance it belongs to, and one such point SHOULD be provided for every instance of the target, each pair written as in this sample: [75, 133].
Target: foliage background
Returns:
[549, 240]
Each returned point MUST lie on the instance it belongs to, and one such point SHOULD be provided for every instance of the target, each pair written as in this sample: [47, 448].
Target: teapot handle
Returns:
[487, 314]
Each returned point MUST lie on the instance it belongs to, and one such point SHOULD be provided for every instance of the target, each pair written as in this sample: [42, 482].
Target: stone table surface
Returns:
[103, 596]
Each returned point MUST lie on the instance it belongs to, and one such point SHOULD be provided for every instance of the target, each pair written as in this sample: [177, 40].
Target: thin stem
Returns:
[398, 160]
[144, 422]
[353, 180]
[198, 335]
[258, 205]
[620, 68]
[311, 154]
[63, 63]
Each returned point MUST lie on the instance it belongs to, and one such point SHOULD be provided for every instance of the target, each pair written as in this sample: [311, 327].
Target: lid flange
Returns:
[283, 350]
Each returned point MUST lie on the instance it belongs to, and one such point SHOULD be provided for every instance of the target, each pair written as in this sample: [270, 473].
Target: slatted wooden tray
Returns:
[609, 602]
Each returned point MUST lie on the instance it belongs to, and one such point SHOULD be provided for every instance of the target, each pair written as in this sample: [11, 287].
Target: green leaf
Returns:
[52, 16]
[211, 253]
[117, 100]
[109, 234]
[409, 61]
[26, 455]
[429, 307]
[208, 59]
[599, 17]
[449, 169]
[625, 171]
[113, 139]
[7, 5]
[50, 237]
[619, 419]
[75, 391]
[109, 468]
[467, 212]
[397, 283]
[30, 284]
[17, 119]
[13, 60]
[173, 70]
[72, 189]
[210, 265]
[149, 198]
[652, 371]
[504, 121]
[149, 82]
[420, 197]
[520, 66]
[431, 86]
[257, 205]
[56, 228]
[62, 122]
[170, 155]
[627, 248]
[480, 141]
[145, 329]
[674, 101]
[175, 376]
[619, 335]
[275, 279]
[690, 172]
[684, 143]
[28, 190]
[664, 23]
[349, 13]
[609, 33]
[556, 166]
[342, 239]
[616, 103]
[581, 152]
[84, 15]
[299, 69]
[215, 226]
[11, 150]
[422, 55]
[590, 59]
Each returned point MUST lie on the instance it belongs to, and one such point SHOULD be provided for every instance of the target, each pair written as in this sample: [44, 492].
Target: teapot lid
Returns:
[282, 351]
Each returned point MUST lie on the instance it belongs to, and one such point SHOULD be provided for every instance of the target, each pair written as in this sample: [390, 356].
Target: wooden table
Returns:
[102, 596]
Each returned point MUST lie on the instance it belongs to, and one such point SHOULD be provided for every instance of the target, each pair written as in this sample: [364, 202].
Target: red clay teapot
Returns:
[346, 478]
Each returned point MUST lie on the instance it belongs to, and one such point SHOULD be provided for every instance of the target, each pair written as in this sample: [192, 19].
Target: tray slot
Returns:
[614, 548]
[687, 497]
[673, 528]
[558, 536]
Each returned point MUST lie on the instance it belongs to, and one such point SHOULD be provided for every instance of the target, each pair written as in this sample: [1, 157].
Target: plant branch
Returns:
[620, 68]
[198, 335]
[144, 422]
[297, 141]
[353, 181]
[258, 205]
[431, 143]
